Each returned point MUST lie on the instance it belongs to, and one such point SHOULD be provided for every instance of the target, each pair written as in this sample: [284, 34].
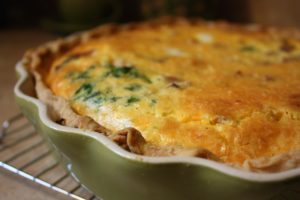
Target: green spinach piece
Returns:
[92, 95]
[83, 91]
[114, 99]
[133, 87]
[86, 92]
[126, 71]
[132, 99]
[153, 102]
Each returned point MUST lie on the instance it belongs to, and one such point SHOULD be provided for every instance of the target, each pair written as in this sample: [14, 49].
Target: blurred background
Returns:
[65, 16]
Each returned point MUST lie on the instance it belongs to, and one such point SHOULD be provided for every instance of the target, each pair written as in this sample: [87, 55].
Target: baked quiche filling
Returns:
[232, 91]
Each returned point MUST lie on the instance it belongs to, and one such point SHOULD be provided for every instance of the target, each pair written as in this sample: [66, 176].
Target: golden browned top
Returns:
[234, 91]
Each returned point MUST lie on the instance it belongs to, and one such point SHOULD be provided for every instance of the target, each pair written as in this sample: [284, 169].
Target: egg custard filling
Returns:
[223, 92]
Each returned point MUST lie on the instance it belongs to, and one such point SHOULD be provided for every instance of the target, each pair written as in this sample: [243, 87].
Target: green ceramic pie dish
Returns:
[115, 174]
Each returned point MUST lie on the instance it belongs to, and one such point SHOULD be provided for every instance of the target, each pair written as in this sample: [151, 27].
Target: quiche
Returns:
[178, 87]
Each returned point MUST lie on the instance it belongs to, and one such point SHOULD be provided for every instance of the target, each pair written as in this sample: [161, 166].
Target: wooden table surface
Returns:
[13, 44]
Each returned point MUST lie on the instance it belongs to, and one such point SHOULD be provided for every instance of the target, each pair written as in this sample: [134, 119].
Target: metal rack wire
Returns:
[23, 152]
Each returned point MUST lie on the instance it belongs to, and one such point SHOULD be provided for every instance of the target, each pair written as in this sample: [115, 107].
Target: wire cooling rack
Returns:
[24, 152]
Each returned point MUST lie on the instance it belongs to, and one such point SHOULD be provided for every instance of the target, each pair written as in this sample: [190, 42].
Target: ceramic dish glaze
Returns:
[113, 173]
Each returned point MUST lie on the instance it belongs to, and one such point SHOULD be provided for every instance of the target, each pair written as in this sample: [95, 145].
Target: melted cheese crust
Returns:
[235, 92]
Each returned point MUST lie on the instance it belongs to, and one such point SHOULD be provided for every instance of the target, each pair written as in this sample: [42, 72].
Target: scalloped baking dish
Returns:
[113, 173]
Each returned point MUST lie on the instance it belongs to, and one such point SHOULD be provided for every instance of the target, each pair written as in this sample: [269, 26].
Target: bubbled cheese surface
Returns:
[235, 92]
